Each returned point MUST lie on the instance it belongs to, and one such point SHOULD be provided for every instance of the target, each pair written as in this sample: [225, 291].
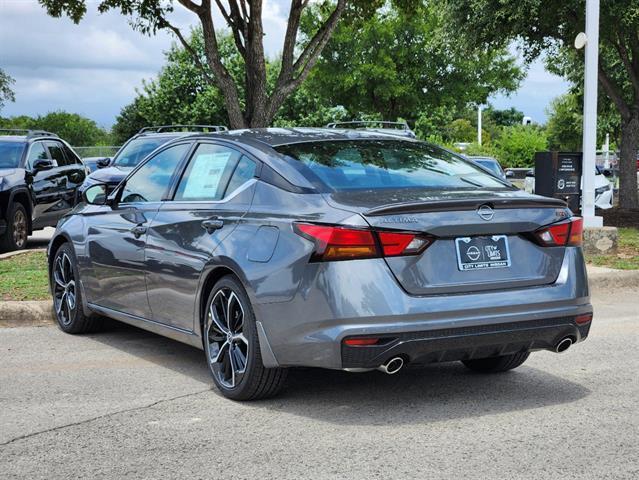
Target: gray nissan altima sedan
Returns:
[351, 250]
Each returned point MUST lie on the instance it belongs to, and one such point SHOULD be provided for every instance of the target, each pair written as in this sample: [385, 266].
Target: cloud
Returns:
[94, 68]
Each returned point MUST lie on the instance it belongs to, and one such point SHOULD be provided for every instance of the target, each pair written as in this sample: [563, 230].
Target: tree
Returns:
[545, 26]
[244, 18]
[564, 124]
[180, 94]
[6, 93]
[517, 145]
[406, 62]
[79, 131]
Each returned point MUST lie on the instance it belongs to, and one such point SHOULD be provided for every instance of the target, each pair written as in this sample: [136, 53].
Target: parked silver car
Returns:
[330, 248]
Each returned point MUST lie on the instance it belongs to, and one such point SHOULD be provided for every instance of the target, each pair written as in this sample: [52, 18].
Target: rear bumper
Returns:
[467, 343]
[337, 300]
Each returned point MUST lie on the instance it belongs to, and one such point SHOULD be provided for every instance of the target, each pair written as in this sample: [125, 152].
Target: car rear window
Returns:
[10, 154]
[371, 164]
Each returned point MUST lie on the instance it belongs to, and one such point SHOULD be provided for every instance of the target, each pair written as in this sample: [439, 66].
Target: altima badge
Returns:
[485, 212]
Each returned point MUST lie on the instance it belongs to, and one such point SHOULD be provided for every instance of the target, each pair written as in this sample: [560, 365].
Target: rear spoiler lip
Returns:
[496, 203]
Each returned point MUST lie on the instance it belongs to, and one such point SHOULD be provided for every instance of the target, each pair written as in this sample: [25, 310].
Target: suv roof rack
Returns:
[26, 132]
[369, 124]
[183, 128]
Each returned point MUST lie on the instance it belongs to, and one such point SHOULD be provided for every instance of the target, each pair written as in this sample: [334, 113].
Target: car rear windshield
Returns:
[10, 154]
[370, 164]
[136, 150]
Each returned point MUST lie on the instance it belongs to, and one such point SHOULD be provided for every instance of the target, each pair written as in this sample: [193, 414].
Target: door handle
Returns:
[212, 224]
[138, 231]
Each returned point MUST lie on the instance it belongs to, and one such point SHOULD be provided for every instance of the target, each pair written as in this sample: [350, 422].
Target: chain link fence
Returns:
[101, 151]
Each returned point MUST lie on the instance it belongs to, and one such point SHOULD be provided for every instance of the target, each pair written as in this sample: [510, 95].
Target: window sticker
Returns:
[205, 176]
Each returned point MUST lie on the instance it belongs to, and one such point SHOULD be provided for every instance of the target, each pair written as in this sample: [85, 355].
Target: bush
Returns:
[517, 145]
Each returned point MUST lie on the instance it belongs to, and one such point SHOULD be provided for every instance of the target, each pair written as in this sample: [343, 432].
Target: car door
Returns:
[45, 185]
[64, 189]
[75, 172]
[116, 236]
[210, 199]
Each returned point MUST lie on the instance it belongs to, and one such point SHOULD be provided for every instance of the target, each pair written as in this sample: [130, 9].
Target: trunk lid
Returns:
[455, 215]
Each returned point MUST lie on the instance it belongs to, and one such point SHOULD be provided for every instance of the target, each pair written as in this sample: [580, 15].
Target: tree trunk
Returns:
[628, 197]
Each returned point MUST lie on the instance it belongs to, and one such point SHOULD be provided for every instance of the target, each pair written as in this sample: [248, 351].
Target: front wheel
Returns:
[497, 364]
[67, 294]
[232, 348]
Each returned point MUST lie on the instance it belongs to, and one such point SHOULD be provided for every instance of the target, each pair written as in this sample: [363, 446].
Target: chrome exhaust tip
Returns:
[563, 345]
[392, 366]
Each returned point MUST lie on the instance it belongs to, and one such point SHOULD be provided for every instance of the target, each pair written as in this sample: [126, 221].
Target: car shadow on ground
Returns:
[423, 394]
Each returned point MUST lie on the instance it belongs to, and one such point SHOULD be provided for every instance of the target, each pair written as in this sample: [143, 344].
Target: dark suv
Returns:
[39, 176]
[112, 171]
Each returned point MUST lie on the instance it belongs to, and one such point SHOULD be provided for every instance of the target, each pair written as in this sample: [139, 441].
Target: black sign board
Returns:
[558, 175]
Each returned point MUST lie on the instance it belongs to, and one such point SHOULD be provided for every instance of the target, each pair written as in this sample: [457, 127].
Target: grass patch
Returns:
[627, 257]
[24, 277]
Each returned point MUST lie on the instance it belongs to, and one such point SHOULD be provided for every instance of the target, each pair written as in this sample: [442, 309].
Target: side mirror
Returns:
[103, 162]
[510, 174]
[42, 164]
[607, 173]
[96, 194]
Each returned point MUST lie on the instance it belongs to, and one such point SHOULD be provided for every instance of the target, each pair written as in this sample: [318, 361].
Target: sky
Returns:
[95, 67]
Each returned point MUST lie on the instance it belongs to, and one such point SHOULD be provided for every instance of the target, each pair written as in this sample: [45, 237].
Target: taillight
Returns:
[343, 243]
[564, 234]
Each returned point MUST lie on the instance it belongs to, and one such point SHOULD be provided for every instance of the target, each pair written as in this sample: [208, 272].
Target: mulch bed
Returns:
[617, 217]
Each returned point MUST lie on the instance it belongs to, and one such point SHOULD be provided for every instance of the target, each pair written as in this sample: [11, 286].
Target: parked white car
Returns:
[603, 188]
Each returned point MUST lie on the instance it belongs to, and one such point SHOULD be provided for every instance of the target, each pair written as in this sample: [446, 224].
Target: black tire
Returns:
[15, 235]
[233, 351]
[67, 294]
[497, 364]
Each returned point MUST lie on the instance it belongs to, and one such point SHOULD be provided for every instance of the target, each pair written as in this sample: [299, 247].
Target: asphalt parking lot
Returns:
[126, 403]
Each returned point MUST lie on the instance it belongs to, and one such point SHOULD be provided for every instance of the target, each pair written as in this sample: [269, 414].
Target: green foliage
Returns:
[461, 130]
[75, 129]
[401, 63]
[517, 145]
[487, 149]
[564, 126]
[6, 93]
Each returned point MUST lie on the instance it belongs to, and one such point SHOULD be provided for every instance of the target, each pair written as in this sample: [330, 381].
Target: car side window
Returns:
[72, 158]
[57, 154]
[150, 183]
[208, 173]
[37, 152]
[244, 171]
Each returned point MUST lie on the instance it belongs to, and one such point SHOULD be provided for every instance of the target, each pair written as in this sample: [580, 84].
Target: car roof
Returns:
[13, 138]
[275, 137]
[26, 135]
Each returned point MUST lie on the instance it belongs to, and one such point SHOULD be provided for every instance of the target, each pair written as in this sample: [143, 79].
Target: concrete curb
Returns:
[21, 252]
[26, 314]
[600, 278]
[40, 313]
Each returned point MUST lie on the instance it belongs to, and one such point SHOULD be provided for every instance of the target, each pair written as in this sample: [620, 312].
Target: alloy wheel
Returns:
[64, 291]
[19, 229]
[227, 347]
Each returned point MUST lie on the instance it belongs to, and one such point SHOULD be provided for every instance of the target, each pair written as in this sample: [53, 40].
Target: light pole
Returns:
[590, 115]
[479, 125]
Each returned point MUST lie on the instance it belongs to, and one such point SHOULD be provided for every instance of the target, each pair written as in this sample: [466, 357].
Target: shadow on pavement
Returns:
[427, 394]
[148, 346]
